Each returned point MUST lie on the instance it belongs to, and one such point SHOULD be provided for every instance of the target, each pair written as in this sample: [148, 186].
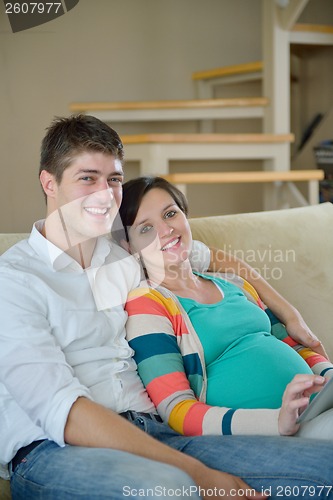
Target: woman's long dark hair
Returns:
[133, 192]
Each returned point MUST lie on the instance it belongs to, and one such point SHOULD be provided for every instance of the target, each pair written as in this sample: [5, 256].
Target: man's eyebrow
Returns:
[94, 171]
[86, 171]
[117, 172]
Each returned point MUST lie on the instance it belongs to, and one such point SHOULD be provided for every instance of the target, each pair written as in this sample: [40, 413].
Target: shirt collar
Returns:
[60, 260]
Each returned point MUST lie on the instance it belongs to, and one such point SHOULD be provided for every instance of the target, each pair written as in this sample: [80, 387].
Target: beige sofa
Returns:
[292, 248]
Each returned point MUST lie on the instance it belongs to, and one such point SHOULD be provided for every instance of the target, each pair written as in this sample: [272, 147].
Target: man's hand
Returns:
[300, 332]
[223, 485]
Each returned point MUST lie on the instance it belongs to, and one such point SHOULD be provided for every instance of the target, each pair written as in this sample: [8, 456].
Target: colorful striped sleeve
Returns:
[318, 363]
[173, 379]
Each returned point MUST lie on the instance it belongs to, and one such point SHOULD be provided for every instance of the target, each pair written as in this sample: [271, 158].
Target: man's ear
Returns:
[48, 183]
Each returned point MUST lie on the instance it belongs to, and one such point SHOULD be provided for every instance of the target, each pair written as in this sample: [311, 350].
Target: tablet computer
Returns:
[322, 401]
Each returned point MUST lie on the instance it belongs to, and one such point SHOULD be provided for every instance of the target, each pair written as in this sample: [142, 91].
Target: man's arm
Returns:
[92, 425]
[287, 314]
[54, 400]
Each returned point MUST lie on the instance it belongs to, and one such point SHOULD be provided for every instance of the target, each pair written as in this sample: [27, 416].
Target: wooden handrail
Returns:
[175, 104]
[207, 138]
[313, 28]
[244, 177]
[236, 69]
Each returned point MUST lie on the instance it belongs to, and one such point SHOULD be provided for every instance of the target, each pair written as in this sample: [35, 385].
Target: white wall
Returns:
[105, 50]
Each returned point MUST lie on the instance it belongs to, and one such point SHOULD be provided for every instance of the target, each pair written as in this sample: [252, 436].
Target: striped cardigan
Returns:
[170, 361]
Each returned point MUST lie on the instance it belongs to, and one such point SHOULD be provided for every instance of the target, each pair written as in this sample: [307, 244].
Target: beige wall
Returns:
[105, 50]
[111, 50]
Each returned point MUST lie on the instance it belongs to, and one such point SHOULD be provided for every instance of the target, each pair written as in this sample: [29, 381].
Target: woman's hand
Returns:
[295, 399]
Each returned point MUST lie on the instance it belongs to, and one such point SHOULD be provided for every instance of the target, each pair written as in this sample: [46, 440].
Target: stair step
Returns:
[286, 178]
[155, 151]
[207, 138]
[244, 177]
[191, 109]
[312, 34]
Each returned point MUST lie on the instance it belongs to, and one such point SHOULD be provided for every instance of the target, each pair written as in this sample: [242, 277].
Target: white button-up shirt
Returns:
[62, 336]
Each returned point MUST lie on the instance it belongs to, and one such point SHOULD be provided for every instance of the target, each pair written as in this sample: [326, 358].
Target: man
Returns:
[66, 370]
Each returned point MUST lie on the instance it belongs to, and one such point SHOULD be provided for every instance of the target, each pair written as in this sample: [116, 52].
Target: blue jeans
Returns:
[76, 473]
[283, 467]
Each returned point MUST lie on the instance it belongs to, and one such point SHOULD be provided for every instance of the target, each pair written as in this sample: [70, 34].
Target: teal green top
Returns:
[240, 352]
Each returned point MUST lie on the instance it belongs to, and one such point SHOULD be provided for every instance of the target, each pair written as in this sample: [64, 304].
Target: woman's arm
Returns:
[287, 314]
[154, 323]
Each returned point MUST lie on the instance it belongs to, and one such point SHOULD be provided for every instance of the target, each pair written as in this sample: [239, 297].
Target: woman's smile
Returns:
[171, 244]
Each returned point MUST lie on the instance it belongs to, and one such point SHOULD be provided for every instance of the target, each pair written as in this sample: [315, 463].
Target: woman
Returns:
[212, 359]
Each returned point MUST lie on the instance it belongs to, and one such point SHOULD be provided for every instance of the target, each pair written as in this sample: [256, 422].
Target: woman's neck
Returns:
[184, 283]
[180, 279]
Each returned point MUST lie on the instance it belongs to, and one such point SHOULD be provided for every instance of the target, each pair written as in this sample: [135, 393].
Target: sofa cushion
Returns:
[9, 239]
[4, 490]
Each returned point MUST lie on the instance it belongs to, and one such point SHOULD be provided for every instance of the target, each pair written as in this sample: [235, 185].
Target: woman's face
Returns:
[160, 232]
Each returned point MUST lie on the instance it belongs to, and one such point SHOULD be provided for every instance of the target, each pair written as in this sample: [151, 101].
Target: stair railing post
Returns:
[276, 86]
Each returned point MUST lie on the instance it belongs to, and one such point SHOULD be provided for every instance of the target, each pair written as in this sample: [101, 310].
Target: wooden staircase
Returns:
[193, 109]
[155, 151]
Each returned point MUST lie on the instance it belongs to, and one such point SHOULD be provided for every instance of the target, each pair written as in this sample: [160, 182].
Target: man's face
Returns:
[88, 197]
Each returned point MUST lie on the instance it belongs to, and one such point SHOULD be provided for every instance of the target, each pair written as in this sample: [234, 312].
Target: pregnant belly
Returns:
[253, 373]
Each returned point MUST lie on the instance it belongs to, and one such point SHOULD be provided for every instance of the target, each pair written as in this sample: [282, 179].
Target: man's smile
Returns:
[97, 211]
